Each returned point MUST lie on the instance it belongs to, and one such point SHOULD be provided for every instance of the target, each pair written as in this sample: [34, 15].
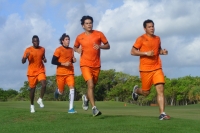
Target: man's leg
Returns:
[146, 78]
[32, 95]
[70, 82]
[161, 102]
[43, 89]
[160, 97]
[90, 92]
[159, 80]
[32, 82]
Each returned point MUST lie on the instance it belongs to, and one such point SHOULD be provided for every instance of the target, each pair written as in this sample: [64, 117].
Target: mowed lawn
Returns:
[15, 117]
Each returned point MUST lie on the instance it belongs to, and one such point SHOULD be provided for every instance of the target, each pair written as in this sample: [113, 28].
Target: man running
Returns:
[148, 47]
[64, 58]
[88, 45]
[36, 70]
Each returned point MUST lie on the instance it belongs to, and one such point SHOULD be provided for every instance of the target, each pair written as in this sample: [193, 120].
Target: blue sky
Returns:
[176, 22]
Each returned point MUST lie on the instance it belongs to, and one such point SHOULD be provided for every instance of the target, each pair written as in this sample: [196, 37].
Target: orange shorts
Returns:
[90, 73]
[63, 80]
[149, 78]
[33, 80]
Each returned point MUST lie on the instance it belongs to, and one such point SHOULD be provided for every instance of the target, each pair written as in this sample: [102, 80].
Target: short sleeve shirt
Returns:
[64, 55]
[90, 57]
[35, 59]
[145, 43]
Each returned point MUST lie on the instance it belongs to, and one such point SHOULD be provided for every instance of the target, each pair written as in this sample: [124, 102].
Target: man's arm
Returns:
[105, 46]
[136, 52]
[54, 61]
[78, 50]
[163, 51]
[44, 59]
[25, 58]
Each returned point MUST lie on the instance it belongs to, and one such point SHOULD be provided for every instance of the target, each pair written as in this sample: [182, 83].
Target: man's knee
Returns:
[145, 93]
[90, 84]
[43, 82]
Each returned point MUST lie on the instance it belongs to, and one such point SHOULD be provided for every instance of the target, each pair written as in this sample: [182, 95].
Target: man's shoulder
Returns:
[97, 32]
[41, 48]
[30, 47]
[80, 35]
[157, 37]
[141, 37]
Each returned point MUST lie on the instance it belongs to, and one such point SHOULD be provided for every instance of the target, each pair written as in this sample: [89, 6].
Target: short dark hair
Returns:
[147, 21]
[63, 37]
[84, 18]
[35, 36]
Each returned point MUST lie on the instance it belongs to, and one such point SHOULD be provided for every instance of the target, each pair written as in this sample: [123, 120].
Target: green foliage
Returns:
[116, 86]
[6, 95]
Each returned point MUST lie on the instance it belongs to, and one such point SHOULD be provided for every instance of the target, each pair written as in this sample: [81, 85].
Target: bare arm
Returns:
[163, 52]
[105, 46]
[73, 60]
[44, 59]
[136, 52]
[25, 58]
[78, 50]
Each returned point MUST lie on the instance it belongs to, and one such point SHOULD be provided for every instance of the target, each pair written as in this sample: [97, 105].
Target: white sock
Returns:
[39, 99]
[71, 98]
[163, 113]
[32, 106]
[94, 107]
[59, 92]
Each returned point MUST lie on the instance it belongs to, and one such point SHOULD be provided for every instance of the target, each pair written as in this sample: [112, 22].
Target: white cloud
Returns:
[176, 22]
[15, 35]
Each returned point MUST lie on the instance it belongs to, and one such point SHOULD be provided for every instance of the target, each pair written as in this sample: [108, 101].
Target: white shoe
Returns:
[85, 104]
[32, 109]
[40, 103]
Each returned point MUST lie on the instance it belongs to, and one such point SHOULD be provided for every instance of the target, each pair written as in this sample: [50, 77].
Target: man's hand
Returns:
[164, 52]
[27, 55]
[74, 59]
[66, 64]
[45, 60]
[96, 46]
[79, 50]
[150, 53]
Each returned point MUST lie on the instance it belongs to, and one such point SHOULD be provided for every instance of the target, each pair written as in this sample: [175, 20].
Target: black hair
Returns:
[35, 36]
[147, 21]
[63, 37]
[84, 18]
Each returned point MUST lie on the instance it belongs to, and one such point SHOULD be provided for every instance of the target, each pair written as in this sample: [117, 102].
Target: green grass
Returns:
[15, 117]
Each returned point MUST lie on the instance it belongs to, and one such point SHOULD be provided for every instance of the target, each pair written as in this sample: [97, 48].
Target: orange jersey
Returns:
[64, 55]
[90, 56]
[35, 59]
[145, 43]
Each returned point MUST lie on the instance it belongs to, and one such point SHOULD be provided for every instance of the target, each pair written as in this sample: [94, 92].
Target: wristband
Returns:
[145, 53]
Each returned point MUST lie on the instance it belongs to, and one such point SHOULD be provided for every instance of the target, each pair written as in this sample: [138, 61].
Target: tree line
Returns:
[116, 86]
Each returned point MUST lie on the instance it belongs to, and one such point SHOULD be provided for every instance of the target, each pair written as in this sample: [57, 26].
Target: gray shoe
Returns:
[96, 112]
[85, 104]
[135, 95]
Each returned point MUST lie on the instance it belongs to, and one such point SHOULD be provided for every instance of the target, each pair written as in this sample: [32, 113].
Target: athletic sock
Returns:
[94, 107]
[71, 98]
[32, 106]
[163, 113]
[39, 99]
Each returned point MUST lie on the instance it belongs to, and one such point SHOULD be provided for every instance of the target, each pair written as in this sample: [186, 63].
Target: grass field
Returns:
[15, 117]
